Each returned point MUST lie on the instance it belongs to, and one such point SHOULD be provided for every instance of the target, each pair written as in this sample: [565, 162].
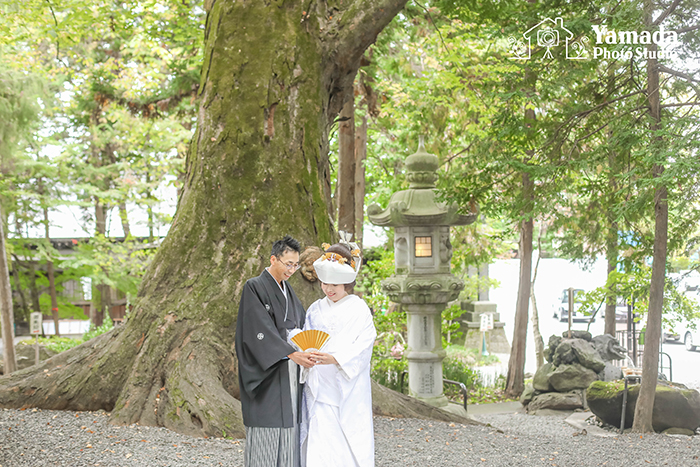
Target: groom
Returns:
[268, 366]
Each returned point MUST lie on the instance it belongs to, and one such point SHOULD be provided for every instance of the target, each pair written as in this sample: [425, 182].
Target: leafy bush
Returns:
[388, 360]
[388, 371]
[59, 344]
[107, 324]
[483, 394]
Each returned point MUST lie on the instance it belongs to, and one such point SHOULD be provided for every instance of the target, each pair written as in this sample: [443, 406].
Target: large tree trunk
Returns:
[33, 287]
[515, 379]
[611, 298]
[124, 216]
[652, 339]
[50, 273]
[101, 291]
[346, 166]
[360, 156]
[273, 79]
[539, 342]
[18, 288]
[149, 200]
[7, 320]
[611, 247]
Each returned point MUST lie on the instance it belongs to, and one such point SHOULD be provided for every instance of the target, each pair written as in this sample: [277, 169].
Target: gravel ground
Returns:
[36, 438]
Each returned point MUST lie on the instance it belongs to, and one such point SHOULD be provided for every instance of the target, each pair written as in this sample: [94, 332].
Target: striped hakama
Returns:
[274, 446]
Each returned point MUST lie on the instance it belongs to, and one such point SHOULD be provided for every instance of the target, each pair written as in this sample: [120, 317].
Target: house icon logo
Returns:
[548, 34]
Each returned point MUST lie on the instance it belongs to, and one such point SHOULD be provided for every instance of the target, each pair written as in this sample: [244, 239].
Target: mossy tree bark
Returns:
[515, 379]
[611, 248]
[360, 157]
[539, 342]
[7, 320]
[650, 364]
[274, 78]
[347, 167]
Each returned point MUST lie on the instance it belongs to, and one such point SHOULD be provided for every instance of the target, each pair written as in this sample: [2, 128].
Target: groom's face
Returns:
[284, 266]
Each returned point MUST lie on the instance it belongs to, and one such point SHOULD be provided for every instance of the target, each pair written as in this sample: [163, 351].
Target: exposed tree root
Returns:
[88, 377]
[394, 404]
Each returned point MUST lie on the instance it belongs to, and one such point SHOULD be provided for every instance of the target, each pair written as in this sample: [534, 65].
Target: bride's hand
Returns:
[321, 358]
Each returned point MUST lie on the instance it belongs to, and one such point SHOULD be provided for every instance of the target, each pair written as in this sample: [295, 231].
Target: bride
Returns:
[336, 427]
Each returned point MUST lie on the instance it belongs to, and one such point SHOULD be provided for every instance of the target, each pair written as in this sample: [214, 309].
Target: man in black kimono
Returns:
[268, 366]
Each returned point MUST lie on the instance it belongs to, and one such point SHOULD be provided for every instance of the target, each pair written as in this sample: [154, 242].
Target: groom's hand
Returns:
[302, 359]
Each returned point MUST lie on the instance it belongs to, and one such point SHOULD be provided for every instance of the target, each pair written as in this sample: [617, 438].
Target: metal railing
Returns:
[462, 387]
[632, 341]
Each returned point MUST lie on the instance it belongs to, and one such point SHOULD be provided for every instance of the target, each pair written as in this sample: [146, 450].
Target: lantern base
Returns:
[439, 401]
[456, 409]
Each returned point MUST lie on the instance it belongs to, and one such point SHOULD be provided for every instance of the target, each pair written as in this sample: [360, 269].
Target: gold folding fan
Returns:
[311, 339]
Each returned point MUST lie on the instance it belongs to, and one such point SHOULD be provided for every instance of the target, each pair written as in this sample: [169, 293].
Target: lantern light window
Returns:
[424, 247]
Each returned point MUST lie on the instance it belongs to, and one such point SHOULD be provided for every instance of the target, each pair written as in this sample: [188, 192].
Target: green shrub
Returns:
[388, 360]
[388, 371]
[107, 325]
[59, 344]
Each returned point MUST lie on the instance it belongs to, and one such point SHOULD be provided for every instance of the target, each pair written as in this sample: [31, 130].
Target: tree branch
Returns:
[667, 12]
[680, 74]
[577, 140]
[457, 154]
[585, 113]
[683, 104]
[58, 43]
[687, 29]
[447, 49]
[346, 34]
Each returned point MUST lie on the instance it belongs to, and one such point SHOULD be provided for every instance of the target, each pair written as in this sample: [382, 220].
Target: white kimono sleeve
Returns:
[354, 358]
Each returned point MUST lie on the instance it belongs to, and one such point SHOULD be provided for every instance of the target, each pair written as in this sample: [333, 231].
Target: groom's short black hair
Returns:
[288, 243]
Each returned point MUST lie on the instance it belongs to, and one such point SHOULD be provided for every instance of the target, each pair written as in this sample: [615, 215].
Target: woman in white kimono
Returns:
[336, 428]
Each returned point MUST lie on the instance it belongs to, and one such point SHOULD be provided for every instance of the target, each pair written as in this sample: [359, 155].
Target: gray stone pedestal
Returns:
[425, 353]
[470, 322]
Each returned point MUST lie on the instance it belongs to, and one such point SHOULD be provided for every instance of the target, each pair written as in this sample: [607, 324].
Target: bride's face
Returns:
[334, 291]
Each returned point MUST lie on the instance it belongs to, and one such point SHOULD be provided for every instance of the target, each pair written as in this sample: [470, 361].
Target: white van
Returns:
[691, 339]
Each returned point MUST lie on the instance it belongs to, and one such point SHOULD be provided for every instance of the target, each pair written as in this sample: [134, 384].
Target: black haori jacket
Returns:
[262, 349]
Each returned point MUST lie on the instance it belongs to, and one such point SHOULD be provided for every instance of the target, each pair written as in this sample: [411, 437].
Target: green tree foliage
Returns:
[122, 81]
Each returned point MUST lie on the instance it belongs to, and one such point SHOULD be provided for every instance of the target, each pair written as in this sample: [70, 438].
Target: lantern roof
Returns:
[417, 205]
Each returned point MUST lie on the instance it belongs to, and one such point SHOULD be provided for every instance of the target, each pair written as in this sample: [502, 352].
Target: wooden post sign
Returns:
[35, 320]
[484, 325]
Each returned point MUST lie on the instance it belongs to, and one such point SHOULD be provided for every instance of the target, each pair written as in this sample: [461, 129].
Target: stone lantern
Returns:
[422, 282]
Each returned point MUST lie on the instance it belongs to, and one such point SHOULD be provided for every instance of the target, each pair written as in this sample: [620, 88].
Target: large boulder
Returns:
[674, 406]
[587, 355]
[552, 345]
[527, 395]
[608, 348]
[556, 401]
[610, 373]
[564, 354]
[25, 353]
[567, 377]
[585, 335]
[541, 379]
